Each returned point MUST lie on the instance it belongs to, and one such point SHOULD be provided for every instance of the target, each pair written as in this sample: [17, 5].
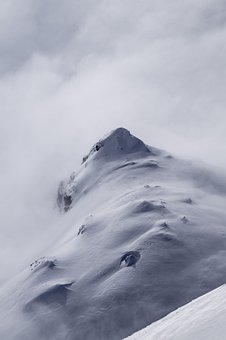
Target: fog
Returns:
[71, 71]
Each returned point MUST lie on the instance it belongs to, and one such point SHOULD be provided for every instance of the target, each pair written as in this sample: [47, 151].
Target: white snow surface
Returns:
[143, 233]
[201, 319]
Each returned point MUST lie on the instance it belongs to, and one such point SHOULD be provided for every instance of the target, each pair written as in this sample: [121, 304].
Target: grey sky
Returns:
[70, 71]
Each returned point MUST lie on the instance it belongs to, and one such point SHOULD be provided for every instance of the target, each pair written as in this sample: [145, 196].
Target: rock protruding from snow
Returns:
[64, 196]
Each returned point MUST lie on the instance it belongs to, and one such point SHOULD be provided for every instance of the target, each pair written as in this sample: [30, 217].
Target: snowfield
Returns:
[143, 233]
[202, 319]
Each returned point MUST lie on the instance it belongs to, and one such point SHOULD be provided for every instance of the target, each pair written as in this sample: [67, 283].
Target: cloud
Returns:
[71, 71]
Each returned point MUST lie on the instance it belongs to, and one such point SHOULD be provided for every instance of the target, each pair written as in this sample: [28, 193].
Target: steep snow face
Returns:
[142, 234]
[202, 319]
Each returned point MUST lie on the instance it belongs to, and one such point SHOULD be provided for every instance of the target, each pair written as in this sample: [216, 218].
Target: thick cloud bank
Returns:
[71, 71]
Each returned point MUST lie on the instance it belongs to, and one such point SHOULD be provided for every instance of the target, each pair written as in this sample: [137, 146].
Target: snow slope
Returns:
[202, 319]
[142, 234]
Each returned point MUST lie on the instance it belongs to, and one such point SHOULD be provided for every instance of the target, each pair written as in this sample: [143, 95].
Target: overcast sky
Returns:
[72, 70]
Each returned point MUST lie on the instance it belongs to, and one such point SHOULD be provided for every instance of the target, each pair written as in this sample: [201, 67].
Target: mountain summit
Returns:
[118, 143]
[141, 234]
[119, 146]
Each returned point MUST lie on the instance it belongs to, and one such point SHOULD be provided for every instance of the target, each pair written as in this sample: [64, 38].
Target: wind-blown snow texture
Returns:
[201, 319]
[142, 234]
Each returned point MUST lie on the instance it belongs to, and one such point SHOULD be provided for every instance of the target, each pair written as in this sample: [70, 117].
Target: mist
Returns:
[72, 71]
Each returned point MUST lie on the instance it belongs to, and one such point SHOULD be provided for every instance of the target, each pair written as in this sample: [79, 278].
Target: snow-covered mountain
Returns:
[201, 319]
[143, 233]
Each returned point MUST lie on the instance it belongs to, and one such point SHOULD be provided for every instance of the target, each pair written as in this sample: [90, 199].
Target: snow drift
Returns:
[143, 233]
[202, 319]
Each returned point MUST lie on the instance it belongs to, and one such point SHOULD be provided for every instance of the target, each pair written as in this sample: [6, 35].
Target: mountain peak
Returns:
[118, 146]
[139, 226]
[118, 143]
[120, 131]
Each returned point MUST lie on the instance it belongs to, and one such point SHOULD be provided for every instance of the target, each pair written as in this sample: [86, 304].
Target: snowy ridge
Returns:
[202, 319]
[119, 145]
[141, 231]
